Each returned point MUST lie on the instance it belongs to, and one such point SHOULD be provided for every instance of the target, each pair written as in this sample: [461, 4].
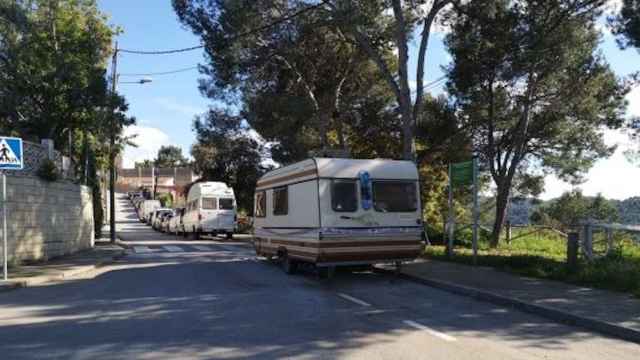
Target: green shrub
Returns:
[48, 171]
[166, 200]
[543, 256]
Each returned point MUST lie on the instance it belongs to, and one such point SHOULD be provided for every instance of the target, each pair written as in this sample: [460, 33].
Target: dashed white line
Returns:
[354, 300]
[429, 330]
[171, 248]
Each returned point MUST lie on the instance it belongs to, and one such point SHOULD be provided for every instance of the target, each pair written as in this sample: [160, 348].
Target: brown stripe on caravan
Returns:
[372, 256]
[288, 177]
[300, 243]
[337, 244]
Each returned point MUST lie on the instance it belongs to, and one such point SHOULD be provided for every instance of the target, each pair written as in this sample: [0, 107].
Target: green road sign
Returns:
[462, 173]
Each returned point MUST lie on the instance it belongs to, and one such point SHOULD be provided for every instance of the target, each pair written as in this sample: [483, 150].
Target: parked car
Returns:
[156, 218]
[211, 209]
[175, 225]
[147, 209]
[164, 222]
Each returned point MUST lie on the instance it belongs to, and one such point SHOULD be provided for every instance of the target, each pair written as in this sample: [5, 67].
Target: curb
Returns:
[14, 285]
[601, 327]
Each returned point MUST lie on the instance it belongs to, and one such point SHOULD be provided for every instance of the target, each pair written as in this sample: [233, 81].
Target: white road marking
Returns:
[171, 248]
[352, 299]
[429, 330]
[142, 249]
[201, 248]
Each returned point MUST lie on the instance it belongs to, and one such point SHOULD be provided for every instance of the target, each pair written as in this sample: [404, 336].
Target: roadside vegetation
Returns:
[543, 255]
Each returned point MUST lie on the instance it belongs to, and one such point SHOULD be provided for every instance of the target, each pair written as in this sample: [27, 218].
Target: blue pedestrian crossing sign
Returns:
[11, 155]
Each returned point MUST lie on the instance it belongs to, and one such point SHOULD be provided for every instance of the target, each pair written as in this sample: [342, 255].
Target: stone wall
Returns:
[47, 220]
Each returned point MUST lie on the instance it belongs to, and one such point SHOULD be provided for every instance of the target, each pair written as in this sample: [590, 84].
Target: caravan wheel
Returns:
[288, 265]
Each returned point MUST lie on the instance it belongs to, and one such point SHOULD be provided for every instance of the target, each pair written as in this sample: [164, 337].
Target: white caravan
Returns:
[147, 207]
[210, 209]
[333, 212]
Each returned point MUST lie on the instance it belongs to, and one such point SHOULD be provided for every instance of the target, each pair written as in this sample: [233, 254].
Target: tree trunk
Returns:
[408, 144]
[502, 202]
[323, 128]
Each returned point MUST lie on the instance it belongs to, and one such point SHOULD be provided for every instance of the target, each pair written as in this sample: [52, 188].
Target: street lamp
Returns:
[139, 82]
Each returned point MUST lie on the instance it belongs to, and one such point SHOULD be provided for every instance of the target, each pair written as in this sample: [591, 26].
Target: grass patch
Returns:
[544, 255]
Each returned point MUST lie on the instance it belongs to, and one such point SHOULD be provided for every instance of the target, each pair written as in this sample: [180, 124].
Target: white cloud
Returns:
[148, 139]
[634, 102]
[174, 105]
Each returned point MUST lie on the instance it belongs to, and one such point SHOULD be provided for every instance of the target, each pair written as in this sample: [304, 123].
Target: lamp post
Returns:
[112, 143]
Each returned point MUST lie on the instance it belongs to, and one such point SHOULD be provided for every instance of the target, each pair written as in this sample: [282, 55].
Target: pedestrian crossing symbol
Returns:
[11, 153]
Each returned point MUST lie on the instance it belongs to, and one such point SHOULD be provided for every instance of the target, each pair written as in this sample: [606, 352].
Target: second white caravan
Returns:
[210, 210]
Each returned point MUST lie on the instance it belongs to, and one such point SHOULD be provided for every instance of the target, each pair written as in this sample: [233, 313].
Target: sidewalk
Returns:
[607, 312]
[62, 268]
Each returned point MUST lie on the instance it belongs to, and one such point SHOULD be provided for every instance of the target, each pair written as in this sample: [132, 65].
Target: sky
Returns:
[166, 107]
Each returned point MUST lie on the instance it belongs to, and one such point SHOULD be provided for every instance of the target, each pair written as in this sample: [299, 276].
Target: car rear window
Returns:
[226, 204]
[395, 196]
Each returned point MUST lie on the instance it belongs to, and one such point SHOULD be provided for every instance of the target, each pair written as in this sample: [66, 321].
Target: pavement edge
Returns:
[39, 280]
[601, 327]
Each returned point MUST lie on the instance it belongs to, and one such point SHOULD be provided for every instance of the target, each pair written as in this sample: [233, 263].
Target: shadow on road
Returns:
[223, 305]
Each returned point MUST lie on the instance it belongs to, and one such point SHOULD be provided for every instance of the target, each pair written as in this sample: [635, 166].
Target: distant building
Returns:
[167, 180]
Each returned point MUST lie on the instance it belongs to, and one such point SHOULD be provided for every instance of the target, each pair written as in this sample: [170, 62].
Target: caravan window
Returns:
[226, 204]
[209, 203]
[344, 196]
[281, 201]
[394, 196]
[261, 204]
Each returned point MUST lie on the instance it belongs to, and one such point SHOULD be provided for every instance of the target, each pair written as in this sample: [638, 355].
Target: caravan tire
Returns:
[288, 265]
[229, 235]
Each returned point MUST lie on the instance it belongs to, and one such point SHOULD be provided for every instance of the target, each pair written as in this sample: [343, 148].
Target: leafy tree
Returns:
[52, 67]
[225, 151]
[378, 27]
[170, 156]
[532, 88]
[294, 71]
[627, 24]
[144, 164]
[572, 208]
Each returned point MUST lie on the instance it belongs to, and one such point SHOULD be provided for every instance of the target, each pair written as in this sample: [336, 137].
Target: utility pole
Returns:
[450, 221]
[112, 149]
[476, 211]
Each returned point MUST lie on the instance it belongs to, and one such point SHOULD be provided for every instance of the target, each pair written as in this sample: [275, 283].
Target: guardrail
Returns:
[587, 237]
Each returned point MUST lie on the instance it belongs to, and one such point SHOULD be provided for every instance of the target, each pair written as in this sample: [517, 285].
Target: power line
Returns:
[161, 73]
[160, 52]
[237, 36]
[432, 84]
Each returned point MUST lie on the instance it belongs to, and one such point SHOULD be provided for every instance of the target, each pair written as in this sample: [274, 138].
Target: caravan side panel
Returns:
[297, 231]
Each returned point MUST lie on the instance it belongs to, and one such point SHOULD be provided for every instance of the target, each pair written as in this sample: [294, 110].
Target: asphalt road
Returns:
[171, 298]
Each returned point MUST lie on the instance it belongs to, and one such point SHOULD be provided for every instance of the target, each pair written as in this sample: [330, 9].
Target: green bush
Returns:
[166, 200]
[48, 171]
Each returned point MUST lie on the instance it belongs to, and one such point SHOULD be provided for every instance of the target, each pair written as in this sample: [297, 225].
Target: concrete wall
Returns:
[46, 220]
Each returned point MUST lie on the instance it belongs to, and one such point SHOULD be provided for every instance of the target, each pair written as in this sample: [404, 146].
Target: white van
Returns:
[210, 209]
[147, 207]
[332, 212]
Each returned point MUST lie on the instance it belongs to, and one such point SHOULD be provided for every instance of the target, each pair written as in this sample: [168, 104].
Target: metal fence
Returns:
[599, 239]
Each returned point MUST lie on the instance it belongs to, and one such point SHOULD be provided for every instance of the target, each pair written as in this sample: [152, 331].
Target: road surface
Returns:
[209, 299]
